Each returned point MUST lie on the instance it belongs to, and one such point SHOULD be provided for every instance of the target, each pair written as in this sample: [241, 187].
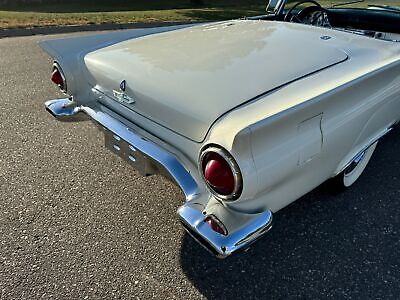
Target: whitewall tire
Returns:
[354, 170]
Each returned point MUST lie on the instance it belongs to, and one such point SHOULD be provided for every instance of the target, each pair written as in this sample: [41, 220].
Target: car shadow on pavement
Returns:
[321, 246]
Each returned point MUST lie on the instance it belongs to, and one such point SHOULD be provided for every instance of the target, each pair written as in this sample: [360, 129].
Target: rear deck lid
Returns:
[186, 79]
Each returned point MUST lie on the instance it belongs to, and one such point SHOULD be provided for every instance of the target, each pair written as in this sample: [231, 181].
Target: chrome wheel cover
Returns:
[357, 166]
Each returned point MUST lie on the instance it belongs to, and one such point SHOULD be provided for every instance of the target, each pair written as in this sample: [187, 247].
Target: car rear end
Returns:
[206, 184]
[158, 97]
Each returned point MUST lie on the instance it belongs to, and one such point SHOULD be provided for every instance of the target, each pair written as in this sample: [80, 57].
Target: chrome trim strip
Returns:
[64, 110]
[279, 7]
[220, 245]
[276, 8]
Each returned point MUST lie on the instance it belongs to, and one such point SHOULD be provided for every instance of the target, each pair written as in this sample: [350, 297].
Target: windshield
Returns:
[393, 5]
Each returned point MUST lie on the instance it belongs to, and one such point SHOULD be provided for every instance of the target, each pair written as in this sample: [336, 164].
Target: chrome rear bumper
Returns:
[149, 158]
[146, 157]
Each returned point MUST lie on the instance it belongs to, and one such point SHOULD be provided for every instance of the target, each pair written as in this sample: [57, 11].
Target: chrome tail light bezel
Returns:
[237, 174]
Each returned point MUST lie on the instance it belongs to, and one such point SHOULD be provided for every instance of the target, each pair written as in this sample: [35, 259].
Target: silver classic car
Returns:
[245, 116]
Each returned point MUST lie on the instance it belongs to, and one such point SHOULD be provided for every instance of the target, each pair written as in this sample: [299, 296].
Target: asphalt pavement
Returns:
[76, 222]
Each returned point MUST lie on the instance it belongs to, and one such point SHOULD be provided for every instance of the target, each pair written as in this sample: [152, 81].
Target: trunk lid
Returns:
[186, 79]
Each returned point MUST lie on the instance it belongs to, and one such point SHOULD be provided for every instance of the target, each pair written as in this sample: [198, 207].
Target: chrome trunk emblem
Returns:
[121, 96]
[122, 85]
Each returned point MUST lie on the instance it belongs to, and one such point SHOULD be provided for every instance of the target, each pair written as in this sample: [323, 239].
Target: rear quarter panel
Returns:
[298, 148]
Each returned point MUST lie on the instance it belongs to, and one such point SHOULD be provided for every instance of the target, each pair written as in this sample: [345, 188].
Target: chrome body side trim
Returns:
[222, 246]
[146, 156]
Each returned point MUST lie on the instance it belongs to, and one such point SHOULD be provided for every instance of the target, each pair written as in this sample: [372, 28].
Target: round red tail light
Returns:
[57, 77]
[221, 173]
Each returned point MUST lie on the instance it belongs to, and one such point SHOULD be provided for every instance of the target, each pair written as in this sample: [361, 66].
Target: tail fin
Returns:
[63, 48]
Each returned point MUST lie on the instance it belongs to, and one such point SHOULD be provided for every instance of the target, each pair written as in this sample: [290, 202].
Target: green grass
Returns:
[124, 11]
[120, 11]
[10, 19]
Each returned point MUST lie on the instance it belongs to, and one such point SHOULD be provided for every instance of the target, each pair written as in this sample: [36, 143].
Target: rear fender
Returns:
[70, 53]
